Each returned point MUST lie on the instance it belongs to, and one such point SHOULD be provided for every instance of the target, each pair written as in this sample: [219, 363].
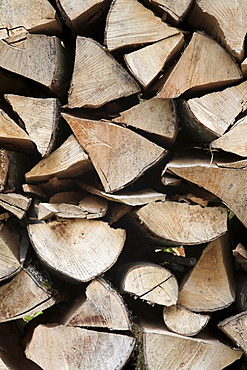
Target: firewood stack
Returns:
[123, 184]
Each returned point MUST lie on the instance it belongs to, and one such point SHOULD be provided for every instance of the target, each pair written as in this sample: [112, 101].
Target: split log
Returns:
[235, 327]
[34, 190]
[176, 10]
[55, 185]
[198, 169]
[119, 155]
[145, 64]
[184, 322]
[17, 204]
[177, 351]
[9, 252]
[100, 307]
[157, 117]
[209, 117]
[92, 60]
[23, 296]
[244, 67]
[176, 223]
[149, 282]
[223, 21]
[77, 249]
[65, 347]
[210, 285]
[129, 23]
[240, 254]
[69, 160]
[41, 128]
[194, 72]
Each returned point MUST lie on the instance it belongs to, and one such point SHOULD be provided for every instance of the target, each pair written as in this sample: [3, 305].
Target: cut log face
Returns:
[155, 116]
[180, 223]
[146, 63]
[9, 252]
[114, 82]
[17, 204]
[210, 286]
[102, 307]
[77, 249]
[235, 327]
[78, 349]
[224, 21]
[129, 23]
[150, 282]
[184, 322]
[177, 10]
[177, 351]
[34, 190]
[23, 296]
[195, 69]
[119, 155]
[69, 160]
[41, 128]
[240, 254]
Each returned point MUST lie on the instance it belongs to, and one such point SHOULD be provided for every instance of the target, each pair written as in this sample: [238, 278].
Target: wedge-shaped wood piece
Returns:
[240, 254]
[198, 168]
[150, 282]
[155, 116]
[102, 307]
[119, 155]
[42, 59]
[197, 71]
[180, 223]
[177, 351]
[210, 285]
[184, 322]
[176, 10]
[65, 347]
[129, 23]
[113, 81]
[17, 204]
[23, 296]
[244, 67]
[211, 115]
[34, 190]
[224, 21]
[9, 252]
[146, 63]
[77, 249]
[40, 127]
[69, 160]
[235, 327]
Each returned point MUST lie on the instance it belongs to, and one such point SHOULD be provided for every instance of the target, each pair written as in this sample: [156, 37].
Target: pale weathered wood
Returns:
[146, 63]
[184, 322]
[176, 10]
[65, 347]
[4, 168]
[240, 254]
[55, 185]
[129, 23]
[155, 116]
[17, 204]
[9, 252]
[41, 127]
[23, 296]
[100, 307]
[227, 183]
[244, 67]
[149, 282]
[235, 327]
[196, 69]
[69, 160]
[77, 249]
[97, 77]
[119, 155]
[178, 223]
[180, 352]
[210, 285]
[34, 190]
[225, 21]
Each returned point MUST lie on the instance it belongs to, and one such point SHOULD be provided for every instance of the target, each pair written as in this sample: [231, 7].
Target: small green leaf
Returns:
[29, 318]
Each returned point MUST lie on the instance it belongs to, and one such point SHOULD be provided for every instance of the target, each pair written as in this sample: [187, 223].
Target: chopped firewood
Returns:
[176, 10]
[119, 155]
[116, 212]
[177, 351]
[66, 347]
[225, 21]
[235, 327]
[72, 197]
[41, 128]
[9, 252]
[227, 183]
[4, 168]
[78, 249]
[184, 322]
[178, 223]
[169, 180]
[146, 63]
[240, 254]
[129, 23]
[155, 116]
[69, 160]
[210, 285]
[100, 307]
[113, 80]
[17, 204]
[23, 296]
[34, 190]
[196, 70]
[55, 185]
[149, 282]
[244, 67]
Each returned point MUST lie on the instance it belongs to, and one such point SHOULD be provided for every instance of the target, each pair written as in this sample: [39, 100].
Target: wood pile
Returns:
[123, 184]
